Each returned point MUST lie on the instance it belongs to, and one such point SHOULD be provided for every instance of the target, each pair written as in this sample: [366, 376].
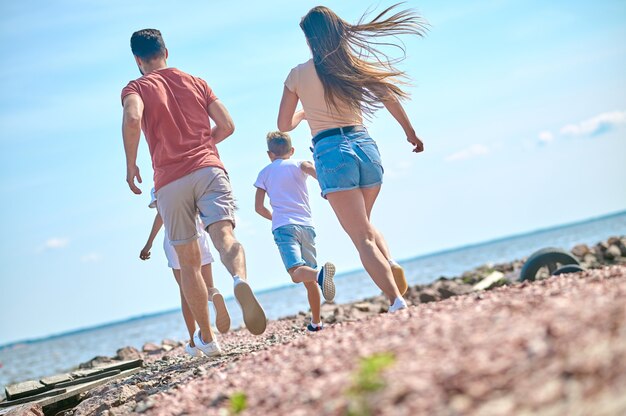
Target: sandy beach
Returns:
[554, 346]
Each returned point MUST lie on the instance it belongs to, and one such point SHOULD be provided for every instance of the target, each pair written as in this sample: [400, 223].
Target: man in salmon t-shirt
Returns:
[174, 110]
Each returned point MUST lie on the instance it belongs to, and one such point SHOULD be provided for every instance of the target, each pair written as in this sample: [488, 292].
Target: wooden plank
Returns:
[53, 380]
[83, 380]
[123, 365]
[86, 373]
[47, 402]
[24, 389]
[34, 398]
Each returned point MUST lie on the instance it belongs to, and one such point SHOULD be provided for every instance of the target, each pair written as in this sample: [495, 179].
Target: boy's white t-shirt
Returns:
[285, 184]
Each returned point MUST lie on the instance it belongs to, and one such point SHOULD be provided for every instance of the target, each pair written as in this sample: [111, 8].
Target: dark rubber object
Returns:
[546, 257]
[569, 268]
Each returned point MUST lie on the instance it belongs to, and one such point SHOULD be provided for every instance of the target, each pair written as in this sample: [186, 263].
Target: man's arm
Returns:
[224, 125]
[308, 168]
[288, 117]
[131, 132]
[259, 204]
[156, 226]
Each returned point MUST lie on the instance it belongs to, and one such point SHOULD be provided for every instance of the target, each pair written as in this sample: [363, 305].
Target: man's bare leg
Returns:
[231, 251]
[233, 257]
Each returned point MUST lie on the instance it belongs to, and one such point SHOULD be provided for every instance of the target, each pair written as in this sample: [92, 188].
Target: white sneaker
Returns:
[397, 305]
[209, 349]
[192, 351]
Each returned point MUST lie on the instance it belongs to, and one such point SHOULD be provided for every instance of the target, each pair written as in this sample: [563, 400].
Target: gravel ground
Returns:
[553, 347]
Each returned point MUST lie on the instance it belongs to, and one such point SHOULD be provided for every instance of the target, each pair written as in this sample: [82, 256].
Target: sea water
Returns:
[35, 359]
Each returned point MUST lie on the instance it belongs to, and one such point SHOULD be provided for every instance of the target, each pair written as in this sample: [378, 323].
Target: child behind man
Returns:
[222, 318]
[284, 181]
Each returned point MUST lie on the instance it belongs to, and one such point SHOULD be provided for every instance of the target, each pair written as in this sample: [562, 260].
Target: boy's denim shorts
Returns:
[347, 161]
[296, 244]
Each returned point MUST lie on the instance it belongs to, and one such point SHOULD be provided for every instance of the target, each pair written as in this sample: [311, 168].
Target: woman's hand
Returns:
[418, 146]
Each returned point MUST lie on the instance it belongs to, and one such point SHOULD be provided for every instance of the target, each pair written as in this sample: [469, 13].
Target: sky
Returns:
[521, 106]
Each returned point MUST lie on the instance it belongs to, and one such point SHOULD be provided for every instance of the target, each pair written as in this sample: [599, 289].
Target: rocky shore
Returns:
[553, 346]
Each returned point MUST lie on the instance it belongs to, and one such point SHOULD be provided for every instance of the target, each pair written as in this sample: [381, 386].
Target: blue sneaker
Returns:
[325, 280]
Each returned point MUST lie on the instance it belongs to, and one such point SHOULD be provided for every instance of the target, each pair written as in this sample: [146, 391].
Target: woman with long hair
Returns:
[347, 78]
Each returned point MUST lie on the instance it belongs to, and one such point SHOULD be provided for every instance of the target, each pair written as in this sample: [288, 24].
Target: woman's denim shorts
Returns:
[347, 161]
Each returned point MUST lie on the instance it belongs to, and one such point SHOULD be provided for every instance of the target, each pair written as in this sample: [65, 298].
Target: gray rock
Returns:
[580, 250]
[96, 362]
[612, 252]
[363, 306]
[428, 295]
[171, 343]
[29, 409]
[128, 353]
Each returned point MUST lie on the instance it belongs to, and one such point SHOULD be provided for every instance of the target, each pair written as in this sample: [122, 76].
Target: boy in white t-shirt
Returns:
[222, 318]
[284, 181]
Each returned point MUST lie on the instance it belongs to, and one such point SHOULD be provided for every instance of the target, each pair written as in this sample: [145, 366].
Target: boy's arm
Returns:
[259, 204]
[156, 226]
[308, 168]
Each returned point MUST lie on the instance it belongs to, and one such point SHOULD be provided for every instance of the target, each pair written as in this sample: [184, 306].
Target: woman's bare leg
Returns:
[350, 208]
[369, 196]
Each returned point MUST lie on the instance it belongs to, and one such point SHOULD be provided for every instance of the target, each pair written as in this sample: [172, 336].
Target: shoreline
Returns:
[167, 370]
[343, 274]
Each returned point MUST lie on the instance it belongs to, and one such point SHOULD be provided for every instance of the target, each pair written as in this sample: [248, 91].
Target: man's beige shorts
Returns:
[205, 191]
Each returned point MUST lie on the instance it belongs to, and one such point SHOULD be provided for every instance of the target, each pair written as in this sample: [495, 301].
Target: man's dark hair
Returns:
[147, 44]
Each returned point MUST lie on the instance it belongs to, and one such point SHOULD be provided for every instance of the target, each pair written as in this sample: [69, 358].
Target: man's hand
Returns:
[145, 252]
[132, 172]
[418, 146]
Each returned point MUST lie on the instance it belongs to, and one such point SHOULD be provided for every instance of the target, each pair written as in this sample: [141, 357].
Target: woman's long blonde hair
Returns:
[347, 59]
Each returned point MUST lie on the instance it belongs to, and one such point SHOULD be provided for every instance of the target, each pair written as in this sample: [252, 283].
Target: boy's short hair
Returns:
[278, 143]
[147, 44]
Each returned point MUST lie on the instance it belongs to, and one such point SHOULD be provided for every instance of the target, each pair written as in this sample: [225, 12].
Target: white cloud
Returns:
[546, 136]
[596, 125]
[398, 169]
[55, 243]
[91, 258]
[473, 151]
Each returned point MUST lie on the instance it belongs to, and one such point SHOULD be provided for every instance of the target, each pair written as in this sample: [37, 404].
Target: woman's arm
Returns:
[288, 117]
[397, 111]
